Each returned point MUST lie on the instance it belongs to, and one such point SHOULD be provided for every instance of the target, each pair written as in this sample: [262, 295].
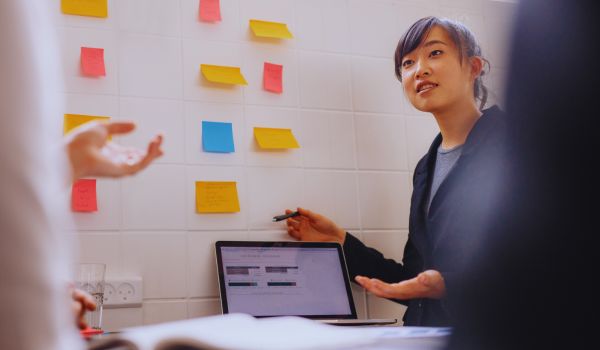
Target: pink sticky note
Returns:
[210, 10]
[272, 77]
[92, 62]
[83, 196]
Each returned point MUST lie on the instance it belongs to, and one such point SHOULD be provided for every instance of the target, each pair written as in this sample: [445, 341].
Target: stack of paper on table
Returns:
[238, 331]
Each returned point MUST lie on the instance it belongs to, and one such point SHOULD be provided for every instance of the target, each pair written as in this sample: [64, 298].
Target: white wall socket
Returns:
[123, 292]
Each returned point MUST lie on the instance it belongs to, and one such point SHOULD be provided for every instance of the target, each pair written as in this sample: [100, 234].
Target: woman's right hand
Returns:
[309, 226]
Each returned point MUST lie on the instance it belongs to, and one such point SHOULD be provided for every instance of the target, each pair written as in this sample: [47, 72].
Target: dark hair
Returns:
[462, 37]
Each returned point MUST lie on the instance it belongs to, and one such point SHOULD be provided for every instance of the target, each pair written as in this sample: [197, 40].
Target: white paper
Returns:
[243, 332]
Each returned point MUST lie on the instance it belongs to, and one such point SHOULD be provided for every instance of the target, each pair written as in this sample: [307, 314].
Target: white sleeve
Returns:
[34, 252]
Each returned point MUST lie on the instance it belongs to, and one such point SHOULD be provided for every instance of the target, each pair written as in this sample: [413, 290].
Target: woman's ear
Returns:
[476, 64]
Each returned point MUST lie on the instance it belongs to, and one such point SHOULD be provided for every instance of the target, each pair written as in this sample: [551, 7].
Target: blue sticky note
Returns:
[217, 137]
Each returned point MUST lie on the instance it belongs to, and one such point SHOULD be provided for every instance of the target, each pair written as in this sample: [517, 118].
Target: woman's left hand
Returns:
[428, 284]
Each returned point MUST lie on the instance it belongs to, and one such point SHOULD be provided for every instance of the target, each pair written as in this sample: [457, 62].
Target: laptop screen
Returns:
[284, 278]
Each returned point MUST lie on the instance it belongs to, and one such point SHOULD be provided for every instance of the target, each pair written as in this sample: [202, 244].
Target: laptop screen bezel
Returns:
[284, 244]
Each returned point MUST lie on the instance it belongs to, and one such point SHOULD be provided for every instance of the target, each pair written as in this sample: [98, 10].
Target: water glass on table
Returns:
[90, 278]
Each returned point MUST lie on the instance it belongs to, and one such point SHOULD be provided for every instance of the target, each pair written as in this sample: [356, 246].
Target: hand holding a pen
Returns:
[310, 226]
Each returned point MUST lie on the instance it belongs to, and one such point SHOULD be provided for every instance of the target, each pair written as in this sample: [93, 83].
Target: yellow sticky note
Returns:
[72, 121]
[92, 8]
[270, 138]
[223, 74]
[270, 29]
[217, 197]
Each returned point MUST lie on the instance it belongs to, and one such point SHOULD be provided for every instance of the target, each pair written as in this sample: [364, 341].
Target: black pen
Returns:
[285, 216]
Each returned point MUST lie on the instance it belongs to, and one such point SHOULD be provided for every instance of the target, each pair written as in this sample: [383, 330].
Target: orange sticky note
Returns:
[270, 29]
[92, 62]
[272, 77]
[223, 74]
[210, 10]
[271, 138]
[217, 197]
[83, 196]
[71, 121]
[92, 8]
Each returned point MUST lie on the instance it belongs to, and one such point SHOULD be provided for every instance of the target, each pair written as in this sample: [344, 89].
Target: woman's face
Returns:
[433, 77]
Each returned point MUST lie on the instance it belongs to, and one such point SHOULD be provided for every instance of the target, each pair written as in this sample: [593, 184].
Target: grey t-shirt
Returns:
[445, 160]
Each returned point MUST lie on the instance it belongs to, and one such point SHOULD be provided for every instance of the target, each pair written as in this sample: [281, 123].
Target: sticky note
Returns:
[83, 196]
[270, 29]
[270, 138]
[210, 10]
[71, 121]
[223, 74]
[217, 197]
[92, 62]
[92, 8]
[272, 77]
[217, 137]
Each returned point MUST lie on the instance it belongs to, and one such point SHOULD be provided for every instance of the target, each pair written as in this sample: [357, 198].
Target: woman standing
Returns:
[440, 66]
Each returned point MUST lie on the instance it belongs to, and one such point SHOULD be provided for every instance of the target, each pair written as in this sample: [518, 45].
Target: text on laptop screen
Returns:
[277, 281]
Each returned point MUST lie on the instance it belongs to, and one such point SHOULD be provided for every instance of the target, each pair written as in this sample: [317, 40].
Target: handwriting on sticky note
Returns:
[92, 62]
[273, 77]
[217, 137]
[210, 10]
[71, 121]
[83, 196]
[217, 197]
[266, 29]
[92, 8]
[271, 138]
[223, 74]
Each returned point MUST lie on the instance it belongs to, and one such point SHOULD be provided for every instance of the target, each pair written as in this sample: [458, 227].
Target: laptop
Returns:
[306, 279]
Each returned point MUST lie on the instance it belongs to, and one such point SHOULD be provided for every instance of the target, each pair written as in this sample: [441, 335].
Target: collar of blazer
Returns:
[490, 120]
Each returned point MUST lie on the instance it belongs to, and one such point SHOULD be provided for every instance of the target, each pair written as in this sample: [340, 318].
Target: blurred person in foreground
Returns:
[533, 285]
[37, 167]
[440, 66]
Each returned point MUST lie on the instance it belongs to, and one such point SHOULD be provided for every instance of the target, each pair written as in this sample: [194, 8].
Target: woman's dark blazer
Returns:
[443, 238]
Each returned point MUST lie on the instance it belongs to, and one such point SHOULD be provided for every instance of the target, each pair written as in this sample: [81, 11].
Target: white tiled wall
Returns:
[360, 139]
[381, 142]
[327, 139]
[322, 25]
[164, 311]
[150, 66]
[202, 263]
[155, 199]
[152, 116]
[160, 258]
[158, 17]
[370, 74]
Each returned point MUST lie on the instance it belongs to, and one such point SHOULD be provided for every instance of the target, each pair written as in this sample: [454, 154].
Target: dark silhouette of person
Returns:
[532, 286]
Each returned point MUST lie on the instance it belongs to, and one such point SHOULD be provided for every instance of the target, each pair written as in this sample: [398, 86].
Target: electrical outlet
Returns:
[123, 292]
